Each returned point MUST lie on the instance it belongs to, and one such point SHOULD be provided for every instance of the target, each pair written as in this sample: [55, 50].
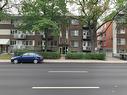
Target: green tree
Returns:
[42, 15]
[92, 11]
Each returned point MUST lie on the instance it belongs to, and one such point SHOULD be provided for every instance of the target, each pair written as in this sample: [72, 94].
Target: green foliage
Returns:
[45, 23]
[41, 14]
[74, 55]
[4, 15]
[46, 55]
[51, 55]
[78, 55]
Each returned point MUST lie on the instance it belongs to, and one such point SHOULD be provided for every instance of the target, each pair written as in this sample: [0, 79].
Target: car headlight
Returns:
[13, 58]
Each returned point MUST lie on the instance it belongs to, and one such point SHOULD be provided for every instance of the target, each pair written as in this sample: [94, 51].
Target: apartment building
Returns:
[105, 37]
[73, 37]
[119, 35]
[86, 43]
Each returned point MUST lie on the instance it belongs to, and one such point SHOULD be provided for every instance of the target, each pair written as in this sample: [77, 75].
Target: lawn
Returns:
[6, 56]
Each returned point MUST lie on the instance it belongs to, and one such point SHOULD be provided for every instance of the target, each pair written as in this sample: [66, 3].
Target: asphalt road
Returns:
[63, 79]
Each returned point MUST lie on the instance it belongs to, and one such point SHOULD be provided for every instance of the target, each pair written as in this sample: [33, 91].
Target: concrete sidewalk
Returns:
[76, 61]
[84, 61]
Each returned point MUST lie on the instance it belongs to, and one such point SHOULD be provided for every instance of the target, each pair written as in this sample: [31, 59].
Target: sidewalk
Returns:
[84, 61]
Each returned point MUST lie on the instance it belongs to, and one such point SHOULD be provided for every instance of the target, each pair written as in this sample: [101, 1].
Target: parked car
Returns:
[27, 58]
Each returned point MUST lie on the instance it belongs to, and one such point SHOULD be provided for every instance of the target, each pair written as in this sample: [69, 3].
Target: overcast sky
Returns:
[72, 8]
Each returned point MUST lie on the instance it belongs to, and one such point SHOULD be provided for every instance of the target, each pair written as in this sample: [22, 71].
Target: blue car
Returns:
[27, 58]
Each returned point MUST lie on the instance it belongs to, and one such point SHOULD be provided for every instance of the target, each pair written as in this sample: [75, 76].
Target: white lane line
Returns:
[65, 87]
[68, 71]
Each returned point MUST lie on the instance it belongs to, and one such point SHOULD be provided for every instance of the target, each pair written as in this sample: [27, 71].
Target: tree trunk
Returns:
[93, 37]
[46, 38]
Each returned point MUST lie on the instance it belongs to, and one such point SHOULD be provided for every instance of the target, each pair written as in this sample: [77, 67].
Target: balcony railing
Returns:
[87, 48]
[86, 36]
[19, 36]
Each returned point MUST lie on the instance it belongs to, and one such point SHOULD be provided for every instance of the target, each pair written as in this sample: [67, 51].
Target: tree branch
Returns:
[6, 2]
[80, 3]
[110, 19]
[105, 29]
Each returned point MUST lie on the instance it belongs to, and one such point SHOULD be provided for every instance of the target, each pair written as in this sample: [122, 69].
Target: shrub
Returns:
[74, 55]
[96, 56]
[51, 55]
[79, 55]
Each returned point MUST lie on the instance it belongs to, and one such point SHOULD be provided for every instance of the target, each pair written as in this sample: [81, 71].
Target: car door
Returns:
[27, 58]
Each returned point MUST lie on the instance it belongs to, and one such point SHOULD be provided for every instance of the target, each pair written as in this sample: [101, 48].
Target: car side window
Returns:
[26, 54]
[31, 54]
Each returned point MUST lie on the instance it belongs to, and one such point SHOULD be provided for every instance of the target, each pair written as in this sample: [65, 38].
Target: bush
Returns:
[74, 55]
[96, 56]
[51, 55]
[78, 55]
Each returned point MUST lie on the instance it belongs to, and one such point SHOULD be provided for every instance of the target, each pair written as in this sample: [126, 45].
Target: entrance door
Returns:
[65, 49]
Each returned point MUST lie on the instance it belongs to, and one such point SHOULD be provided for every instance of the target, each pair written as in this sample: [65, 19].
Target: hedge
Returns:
[51, 55]
[79, 55]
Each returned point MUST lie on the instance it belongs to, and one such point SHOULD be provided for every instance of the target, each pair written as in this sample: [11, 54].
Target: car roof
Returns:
[30, 53]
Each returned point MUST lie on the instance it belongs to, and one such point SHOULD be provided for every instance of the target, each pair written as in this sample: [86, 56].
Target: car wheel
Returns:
[35, 61]
[15, 61]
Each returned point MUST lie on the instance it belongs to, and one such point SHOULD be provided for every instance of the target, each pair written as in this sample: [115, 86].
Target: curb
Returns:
[74, 61]
[93, 62]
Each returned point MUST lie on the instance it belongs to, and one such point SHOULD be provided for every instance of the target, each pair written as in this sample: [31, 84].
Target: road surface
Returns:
[63, 79]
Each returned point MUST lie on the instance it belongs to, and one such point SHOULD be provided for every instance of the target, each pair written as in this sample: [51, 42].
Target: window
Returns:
[29, 33]
[121, 41]
[121, 51]
[53, 43]
[39, 43]
[75, 33]
[86, 32]
[74, 22]
[121, 31]
[28, 42]
[66, 34]
[84, 44]
[13, 31]
[13, 42]
[88, 43]
[75, 44]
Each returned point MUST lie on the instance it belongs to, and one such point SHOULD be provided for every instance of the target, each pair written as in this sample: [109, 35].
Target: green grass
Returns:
[5, 56]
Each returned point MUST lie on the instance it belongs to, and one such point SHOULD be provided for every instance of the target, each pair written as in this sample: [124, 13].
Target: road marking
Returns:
[65, 87]
[68, 71]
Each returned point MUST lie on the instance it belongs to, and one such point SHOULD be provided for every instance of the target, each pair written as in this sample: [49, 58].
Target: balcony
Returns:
[19, 36]
[86, 37]
[18, 47]
[22, 47]
[86, 48]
